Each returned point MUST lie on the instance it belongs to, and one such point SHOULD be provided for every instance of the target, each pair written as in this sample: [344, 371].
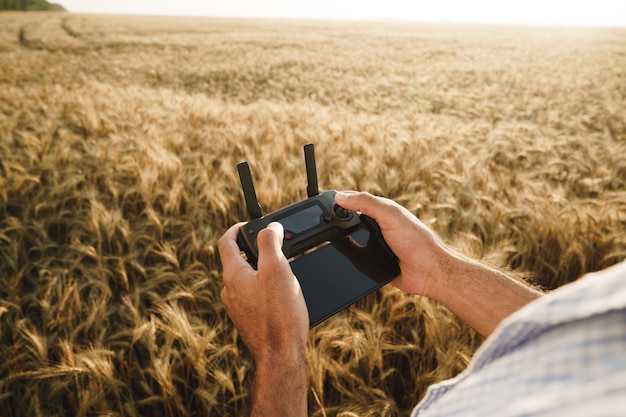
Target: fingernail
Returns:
[341, 196]
[276, 226]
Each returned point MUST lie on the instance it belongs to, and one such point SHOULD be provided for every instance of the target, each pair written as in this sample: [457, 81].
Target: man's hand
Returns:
[418, 248]
[480, 295]
[268, 309]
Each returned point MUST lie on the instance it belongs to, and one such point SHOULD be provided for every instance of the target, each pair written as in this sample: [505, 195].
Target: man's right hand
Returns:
[479, 294]
[420, 251]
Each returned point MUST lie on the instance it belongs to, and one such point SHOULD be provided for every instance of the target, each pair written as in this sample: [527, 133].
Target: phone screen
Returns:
[336, 275]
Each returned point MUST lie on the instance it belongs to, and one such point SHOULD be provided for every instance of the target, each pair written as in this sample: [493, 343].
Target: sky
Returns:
[529, 12]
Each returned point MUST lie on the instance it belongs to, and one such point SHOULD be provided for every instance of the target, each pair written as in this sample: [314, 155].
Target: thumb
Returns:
[376, 207]
[388, 214]
[270, 242]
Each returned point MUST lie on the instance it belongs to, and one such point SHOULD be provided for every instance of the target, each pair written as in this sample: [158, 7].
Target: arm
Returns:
[480, 295]
[268, 309]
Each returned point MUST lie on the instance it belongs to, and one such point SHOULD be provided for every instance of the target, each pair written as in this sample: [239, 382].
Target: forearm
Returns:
[279, 387]
[480, 295]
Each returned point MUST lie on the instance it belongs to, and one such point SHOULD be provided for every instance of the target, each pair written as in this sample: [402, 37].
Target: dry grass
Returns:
[118, 143]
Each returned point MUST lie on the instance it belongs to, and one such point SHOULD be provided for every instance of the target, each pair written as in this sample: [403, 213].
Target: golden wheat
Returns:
[119, 138]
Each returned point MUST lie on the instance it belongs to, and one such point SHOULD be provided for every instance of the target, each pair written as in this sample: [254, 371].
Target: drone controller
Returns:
[310, 223]
[306, 224]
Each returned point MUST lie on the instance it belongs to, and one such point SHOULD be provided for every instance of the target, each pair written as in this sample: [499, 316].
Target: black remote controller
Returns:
[306, 224]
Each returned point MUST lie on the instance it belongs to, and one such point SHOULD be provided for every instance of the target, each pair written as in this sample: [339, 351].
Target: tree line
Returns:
[26, 5]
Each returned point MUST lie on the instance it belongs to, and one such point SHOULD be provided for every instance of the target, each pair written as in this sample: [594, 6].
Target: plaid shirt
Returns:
[561, 355]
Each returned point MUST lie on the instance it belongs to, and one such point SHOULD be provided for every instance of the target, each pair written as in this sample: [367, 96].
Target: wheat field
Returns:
[119, 138]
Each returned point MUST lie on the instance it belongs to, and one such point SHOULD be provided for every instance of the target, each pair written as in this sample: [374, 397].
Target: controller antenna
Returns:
[312, 188]
[254, 208]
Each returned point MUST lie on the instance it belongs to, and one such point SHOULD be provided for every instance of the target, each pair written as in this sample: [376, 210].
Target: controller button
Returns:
[288, 236]
[342, 213]
[328, 218]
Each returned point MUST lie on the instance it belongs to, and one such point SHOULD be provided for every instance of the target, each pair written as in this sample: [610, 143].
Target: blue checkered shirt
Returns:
[561, 355]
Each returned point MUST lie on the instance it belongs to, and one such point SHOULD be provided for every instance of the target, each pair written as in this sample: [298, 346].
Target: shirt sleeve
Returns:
[564, 351]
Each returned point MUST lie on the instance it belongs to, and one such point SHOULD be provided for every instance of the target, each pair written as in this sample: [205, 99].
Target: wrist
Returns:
[280, 384]
[456, 275]
[479, 294]
[284, 357]
[288, 345]
[444, 272]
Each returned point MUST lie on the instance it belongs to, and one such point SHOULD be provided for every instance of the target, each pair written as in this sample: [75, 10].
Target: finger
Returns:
[378, 208]
[270, 242]
[272, 262]
[359, 201]
[230, 254]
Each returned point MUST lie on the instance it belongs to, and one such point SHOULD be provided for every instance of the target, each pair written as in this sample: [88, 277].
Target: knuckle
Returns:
[224, 297]
[364, 196]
